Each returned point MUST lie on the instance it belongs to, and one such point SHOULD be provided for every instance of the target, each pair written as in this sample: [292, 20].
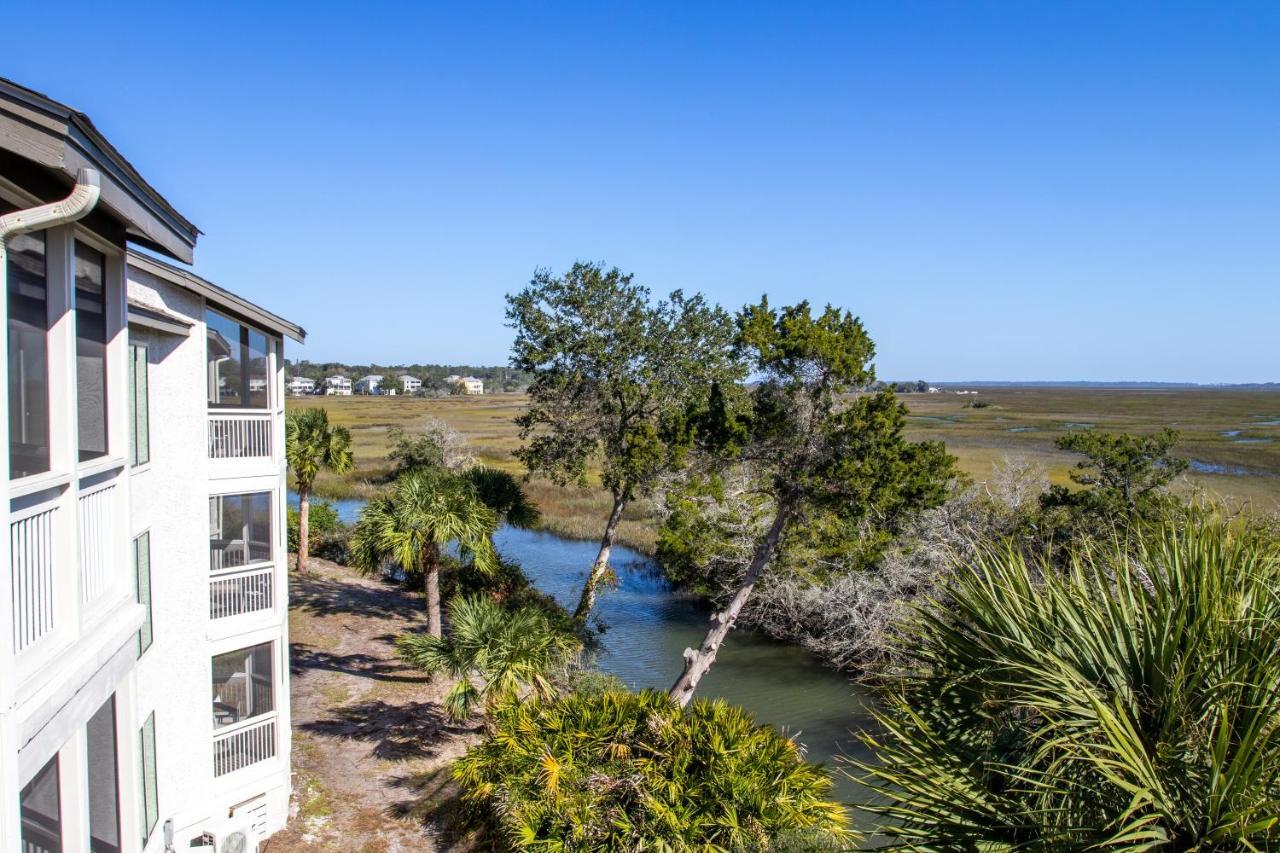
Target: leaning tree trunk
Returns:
[697, 663]
[431, 584]
[304, 526]
[588, 599]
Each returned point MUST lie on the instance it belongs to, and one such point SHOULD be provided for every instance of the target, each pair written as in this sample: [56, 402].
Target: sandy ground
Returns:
[370, 738]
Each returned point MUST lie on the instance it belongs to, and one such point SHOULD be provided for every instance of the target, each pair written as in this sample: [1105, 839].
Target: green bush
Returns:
[324, 522]
[1130, 700]
[631, 771]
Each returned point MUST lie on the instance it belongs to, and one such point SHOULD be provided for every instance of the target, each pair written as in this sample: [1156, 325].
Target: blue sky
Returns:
[1000, 190]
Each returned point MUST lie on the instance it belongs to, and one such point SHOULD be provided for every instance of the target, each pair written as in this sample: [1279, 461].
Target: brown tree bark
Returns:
[588, 599]
[304, 526]
[698, 663]
[431, 582]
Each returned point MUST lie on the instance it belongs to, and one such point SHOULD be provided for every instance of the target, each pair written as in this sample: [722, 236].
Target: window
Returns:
[139, 409]
[237, 364]
[243, 685]
[91, 351]
[149, 802]
[142, 579]
[104, 791]
[41, 811]
[28, 356]
[239, 530]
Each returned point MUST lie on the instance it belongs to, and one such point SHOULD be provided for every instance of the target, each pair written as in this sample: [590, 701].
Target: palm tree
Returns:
[312, 444]
[492, 654]
[501, 492]
[1131, 701]
[426, 510]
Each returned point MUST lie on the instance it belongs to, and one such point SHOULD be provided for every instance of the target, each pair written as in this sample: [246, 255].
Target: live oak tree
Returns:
[311, 445]
[810, 448]
[612, 377]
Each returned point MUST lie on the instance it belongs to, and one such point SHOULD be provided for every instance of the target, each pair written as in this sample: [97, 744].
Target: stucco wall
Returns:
[170, 499]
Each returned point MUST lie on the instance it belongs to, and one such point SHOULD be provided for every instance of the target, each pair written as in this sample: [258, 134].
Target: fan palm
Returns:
[426, 510]
[1132, 701]
[492, 653]
[311, 445]
[502, 493]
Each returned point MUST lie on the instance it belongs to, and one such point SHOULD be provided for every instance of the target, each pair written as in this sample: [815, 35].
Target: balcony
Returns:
[237, 592]
[240, 435]
[97, 531]
[244, 744]
[31, 543]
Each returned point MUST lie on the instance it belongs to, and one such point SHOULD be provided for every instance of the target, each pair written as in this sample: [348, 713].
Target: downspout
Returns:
[84, 195]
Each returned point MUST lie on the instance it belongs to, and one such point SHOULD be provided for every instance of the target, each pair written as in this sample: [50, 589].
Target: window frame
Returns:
[148, 800]
[139, 405]
[146, 631]
[272, 532]
[274, 683]
[79, 243]
[246, 376]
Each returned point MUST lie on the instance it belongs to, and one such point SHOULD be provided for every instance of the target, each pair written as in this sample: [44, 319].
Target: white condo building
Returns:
[144, 702]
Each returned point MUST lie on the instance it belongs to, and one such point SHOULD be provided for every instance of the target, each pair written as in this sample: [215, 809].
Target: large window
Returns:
[142, 579]
[239, 375]
[149, 802]
[41, 811]
[91, 351]
[139, 408]
[28, 356]
[239, 530]
[243, 685]
[104, 786]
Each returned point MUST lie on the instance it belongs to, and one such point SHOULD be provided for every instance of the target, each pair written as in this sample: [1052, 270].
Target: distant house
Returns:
[934, 389]
[410, 384]
[337, 386]
[369, 384]
[300, 386]
[464, 384]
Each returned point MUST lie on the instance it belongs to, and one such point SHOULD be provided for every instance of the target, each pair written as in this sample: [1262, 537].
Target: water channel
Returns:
[648, 625]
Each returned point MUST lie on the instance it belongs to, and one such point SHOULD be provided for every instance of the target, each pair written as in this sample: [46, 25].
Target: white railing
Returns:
[240, 436]
[241, 592]
[97, 535]
[237, 749]
[31, 576]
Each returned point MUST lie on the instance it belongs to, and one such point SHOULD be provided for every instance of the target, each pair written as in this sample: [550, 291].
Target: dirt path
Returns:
[369, 734]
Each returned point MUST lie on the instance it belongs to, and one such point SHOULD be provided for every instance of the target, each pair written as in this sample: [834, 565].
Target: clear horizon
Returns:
[998, 190]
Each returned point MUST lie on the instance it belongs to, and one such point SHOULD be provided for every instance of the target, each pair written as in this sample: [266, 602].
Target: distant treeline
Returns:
[432, 375]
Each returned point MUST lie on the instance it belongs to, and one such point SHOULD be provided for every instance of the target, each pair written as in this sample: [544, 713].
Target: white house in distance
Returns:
[369, 384]
[410, 384]
[337, 386]
[464, 384]
[144, 702]
[300, 386]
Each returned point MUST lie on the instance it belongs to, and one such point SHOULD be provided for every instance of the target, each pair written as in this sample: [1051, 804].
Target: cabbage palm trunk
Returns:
[312, 444]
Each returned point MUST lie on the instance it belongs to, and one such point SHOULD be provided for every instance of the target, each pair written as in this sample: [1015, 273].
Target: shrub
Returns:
[1128, 700]
[628, 771]
[324, 523]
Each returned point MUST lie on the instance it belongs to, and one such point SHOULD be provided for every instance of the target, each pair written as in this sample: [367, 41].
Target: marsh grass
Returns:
[982, 438]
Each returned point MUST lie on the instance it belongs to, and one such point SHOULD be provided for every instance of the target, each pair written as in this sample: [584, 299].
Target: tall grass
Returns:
[1130, 702]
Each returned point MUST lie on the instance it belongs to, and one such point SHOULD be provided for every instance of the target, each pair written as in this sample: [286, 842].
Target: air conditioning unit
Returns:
[238, 839]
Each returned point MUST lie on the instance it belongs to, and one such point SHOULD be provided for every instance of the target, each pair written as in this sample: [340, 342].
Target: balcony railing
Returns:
[31, 566]
[241, 592]
[97, 538]
[240, 436]
[253, 742]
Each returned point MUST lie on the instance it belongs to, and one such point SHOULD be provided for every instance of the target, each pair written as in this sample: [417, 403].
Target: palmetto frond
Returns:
[495, 654]
[312, 444]
[1131, 701]
[426, 509]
